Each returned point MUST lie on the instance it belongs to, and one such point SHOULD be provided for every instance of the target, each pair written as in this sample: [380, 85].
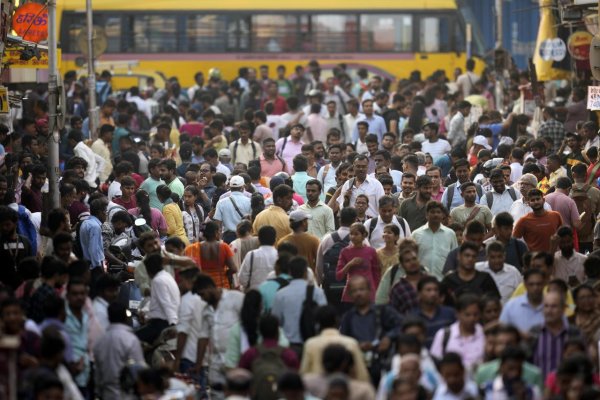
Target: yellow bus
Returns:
[178, 38]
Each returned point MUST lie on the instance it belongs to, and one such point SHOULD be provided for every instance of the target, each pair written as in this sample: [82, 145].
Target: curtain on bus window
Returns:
[206, 33]
[335, 33]
[274, 33]
[154, 33]
[434, 34]
[386, 32]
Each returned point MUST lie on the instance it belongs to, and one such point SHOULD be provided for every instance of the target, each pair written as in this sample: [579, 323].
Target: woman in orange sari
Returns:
[214, 257]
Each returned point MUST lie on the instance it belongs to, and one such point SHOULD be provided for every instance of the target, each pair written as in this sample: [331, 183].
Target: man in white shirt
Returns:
[189, 326]
[226, 306]
[133, 96]
[107, 291]
[95, 162]
[326, 174]
[506, 276]
[435, 146]
[360, 184]
[501, 198]
[259, 263]
[351, 118]
[386, 216]
[164, 300]
[466, 81]
[568, 263]
[456, 133]
[244, 149]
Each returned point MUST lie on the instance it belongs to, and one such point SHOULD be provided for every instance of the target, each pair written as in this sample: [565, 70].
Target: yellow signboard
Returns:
[12, 57]
[4, 109]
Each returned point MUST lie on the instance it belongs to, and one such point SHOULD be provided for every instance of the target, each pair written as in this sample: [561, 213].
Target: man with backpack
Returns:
[501, 198]
[587, 199]
[375, 327]
[328, 254]
[295, 304]
[268, 361]
[386, 216]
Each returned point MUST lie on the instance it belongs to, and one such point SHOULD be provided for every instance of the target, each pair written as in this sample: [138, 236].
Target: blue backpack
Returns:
[26, 228]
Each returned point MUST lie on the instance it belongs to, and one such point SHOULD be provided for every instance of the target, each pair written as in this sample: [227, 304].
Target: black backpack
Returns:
[330, 261]
[307, 316]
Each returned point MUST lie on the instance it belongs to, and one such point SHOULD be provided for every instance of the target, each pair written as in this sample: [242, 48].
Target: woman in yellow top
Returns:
[172, 214]
[388, 254]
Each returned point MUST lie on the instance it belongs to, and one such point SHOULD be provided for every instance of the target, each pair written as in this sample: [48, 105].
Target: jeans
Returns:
[199, 378]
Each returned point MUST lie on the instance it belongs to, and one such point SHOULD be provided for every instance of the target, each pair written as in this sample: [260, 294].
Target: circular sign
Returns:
[579, 45]
[99, 41]
[553, 49]
[30, 21]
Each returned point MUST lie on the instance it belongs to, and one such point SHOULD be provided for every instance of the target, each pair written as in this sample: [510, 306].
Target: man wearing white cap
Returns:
[480, 142]
[230, 210]
[225, 161]
[306, 243]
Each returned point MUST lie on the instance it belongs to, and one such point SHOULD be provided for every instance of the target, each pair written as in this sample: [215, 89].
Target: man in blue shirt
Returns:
[300, 176]
[452, 197]
[90, 235]
[526, 311]
[434, 315]
[376, 123]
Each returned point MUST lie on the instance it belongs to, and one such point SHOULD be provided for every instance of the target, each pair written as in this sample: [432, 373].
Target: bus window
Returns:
[154, 33]
[112, 27]
[335, 33]
[205, 33]
[274, 33]
[386, 32]
[434, 34]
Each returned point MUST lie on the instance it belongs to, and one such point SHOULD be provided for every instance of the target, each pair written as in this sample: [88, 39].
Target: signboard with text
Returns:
[593, 102]
[12, 56]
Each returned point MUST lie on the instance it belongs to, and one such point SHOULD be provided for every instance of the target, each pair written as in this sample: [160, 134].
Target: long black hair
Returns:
[251, 312]
[143, 202]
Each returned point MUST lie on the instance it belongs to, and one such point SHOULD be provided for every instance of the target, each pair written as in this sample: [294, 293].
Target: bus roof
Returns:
[264, 5]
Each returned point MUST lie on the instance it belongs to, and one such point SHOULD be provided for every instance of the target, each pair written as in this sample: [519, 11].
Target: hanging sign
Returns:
[30, 21]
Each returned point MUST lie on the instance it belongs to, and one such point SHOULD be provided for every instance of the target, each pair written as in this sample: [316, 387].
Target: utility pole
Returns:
[54, 112]
[498, 24]
[93, 111]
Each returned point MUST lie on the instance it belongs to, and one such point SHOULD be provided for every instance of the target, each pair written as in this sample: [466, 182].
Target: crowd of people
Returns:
[305, 237]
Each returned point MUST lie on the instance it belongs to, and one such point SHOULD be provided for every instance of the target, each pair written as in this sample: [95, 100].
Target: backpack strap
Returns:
[450, 195]
[282, 282]
[251, 269]
[235, 147]
[236, 207]
[512, 193]
[325, 172]
[395, 269]
[285, 140]
[372, 226]
[253, 149]
[403, 226]
[489, 197]
[479, 190]
[445, 340]
[336, 237]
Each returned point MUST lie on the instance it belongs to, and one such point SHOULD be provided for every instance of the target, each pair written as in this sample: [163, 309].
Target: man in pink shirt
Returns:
[290, 146]
[563, 204]
[270, 163]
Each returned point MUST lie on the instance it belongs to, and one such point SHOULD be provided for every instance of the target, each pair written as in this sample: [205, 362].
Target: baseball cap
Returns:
[224, 153]
[236, 181]
[299, 215]
[482, 141]
[314, 92]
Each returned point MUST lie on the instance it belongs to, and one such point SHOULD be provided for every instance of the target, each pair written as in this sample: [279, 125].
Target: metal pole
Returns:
[469, 35]
[53, 136]
[93, 112]
[499, 24]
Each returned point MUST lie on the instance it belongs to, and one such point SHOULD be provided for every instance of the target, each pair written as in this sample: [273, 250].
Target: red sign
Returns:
[30, 21]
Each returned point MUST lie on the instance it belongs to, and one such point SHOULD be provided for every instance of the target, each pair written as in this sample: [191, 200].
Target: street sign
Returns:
[12, 56]
[30, 21]
[593, 102]
[4, 108]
